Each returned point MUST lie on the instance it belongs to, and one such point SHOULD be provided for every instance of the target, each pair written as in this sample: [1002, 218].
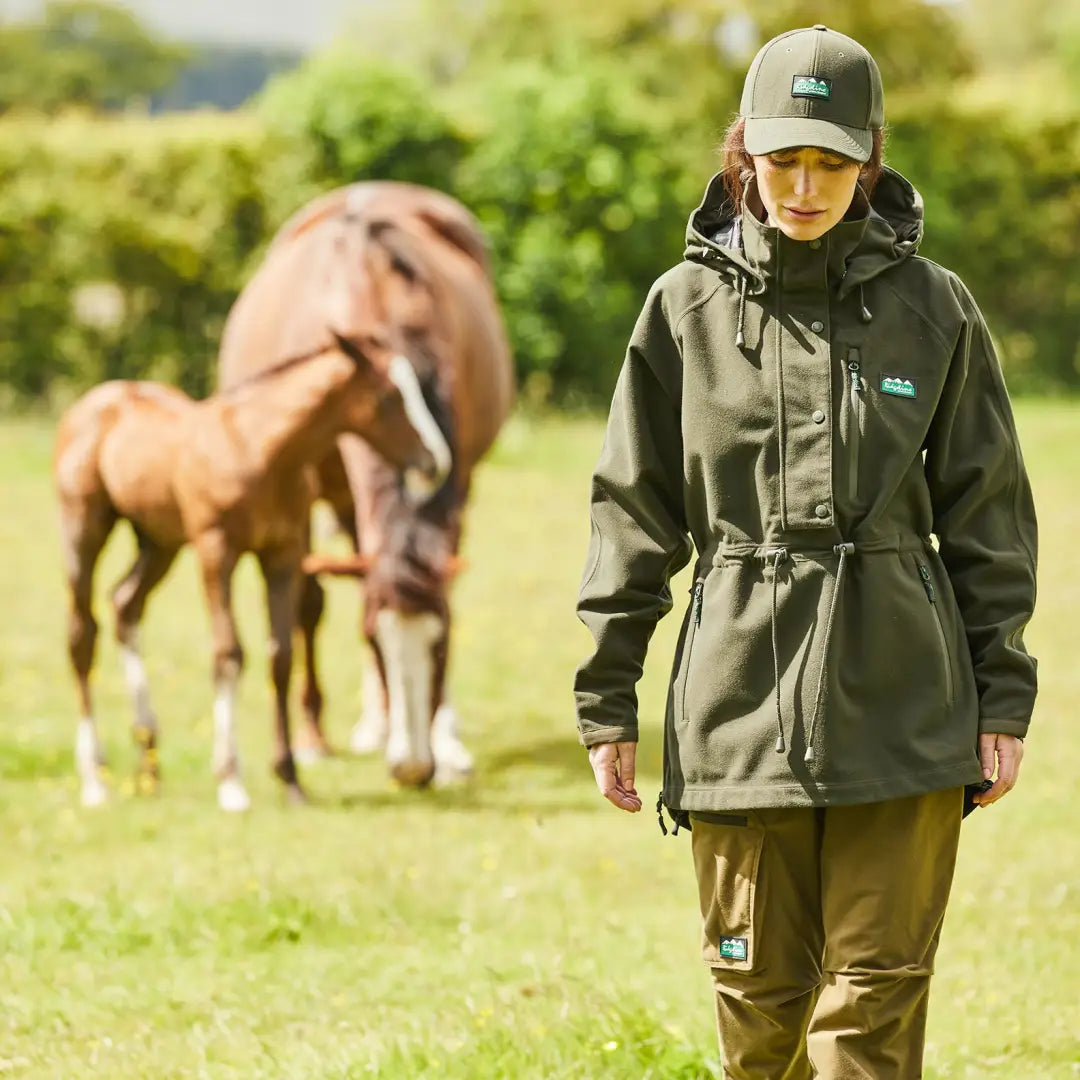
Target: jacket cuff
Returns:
[992, 725]
[593, 736]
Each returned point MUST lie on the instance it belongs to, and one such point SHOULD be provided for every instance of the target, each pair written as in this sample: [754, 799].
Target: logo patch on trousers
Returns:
[899, 387]
[733, 948]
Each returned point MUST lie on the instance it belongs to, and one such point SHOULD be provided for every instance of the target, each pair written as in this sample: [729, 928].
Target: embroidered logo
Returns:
[733, 948]
[810, 86]
[899, 387]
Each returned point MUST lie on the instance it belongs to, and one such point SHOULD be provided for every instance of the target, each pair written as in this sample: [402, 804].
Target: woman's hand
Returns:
[1006, 752]
[613, 766]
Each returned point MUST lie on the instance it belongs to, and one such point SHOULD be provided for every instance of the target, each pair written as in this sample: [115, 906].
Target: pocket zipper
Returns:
[931, 595]
[855, 398]
[695, 621]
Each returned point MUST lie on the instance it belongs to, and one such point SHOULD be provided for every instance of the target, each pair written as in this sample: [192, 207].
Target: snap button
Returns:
[817, 326]
[819, 417]
[815, 244]
[821, 510]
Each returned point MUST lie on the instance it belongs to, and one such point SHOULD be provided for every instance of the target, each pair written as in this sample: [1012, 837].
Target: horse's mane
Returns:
[277, 368]
[440, 213]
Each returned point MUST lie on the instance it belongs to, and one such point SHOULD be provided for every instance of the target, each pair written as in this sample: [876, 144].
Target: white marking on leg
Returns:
[308, 755]
[89, 759]
[373, 728]
[232, 796]
[138, 686]
[452, 760]
[403, 376]
[405, 642]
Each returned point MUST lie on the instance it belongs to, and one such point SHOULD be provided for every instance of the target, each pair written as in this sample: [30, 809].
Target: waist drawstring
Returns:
[778, 556]
[775, 557]
[843, 550]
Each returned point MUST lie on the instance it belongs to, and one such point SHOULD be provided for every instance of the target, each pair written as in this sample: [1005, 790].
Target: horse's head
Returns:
[410, 546]
[384, 403]
[382, 311]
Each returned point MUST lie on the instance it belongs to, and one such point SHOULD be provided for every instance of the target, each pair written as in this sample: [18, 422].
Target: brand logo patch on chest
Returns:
[810, 86]
[733, 948]
[898, 386]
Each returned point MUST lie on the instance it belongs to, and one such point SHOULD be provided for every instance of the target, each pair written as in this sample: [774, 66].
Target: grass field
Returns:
[515, 928]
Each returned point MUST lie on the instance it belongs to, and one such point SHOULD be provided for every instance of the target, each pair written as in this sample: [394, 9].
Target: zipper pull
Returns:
[928, 585]
[699, 596]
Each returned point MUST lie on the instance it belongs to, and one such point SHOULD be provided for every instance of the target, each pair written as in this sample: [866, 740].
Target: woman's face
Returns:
[805, 190]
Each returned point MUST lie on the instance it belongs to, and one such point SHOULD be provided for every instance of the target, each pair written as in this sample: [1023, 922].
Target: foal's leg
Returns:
[281, 571]
[312, 745]
[334, 489]
[218, 562]
[85, 525]
[129, 600]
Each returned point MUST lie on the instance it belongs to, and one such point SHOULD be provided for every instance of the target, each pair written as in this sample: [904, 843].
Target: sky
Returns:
[302, 24]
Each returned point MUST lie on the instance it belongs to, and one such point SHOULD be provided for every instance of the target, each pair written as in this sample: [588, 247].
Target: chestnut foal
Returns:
[229, 474]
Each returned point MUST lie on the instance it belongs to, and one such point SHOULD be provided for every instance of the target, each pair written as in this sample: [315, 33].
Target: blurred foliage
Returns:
[572, 182]
[340, 120]
[122, 245]
[1003, 211]
[82, 52]
[580, 135]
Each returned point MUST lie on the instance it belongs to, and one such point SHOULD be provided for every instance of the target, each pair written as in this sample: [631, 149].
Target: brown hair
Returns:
[738, 165]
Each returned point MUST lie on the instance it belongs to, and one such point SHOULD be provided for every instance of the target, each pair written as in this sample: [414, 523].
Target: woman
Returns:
[808, 401]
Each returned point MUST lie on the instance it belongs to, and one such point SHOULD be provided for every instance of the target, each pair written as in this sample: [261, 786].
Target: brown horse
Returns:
[230, 474]
[416, 263]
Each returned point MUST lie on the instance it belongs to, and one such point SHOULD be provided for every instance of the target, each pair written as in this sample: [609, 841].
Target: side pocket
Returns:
[943, 641]
[727, 856]
[696, 604]
[592, 558]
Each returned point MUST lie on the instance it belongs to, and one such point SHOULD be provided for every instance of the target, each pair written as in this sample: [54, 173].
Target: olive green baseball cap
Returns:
[812, 87]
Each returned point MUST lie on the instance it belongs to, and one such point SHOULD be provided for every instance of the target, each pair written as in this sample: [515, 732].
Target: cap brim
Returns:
[766, 135]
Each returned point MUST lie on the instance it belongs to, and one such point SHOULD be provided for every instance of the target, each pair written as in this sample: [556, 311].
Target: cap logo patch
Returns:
[810, 86]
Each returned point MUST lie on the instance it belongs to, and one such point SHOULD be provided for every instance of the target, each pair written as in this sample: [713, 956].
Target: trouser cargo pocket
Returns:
[727, 855]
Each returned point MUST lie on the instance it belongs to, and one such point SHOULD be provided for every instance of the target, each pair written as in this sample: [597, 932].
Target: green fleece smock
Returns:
[809, 415]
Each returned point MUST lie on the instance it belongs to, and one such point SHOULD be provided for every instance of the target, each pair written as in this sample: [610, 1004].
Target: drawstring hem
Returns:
[680, 819]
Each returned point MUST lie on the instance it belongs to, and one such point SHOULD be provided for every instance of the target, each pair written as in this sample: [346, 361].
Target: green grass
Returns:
[515, 928]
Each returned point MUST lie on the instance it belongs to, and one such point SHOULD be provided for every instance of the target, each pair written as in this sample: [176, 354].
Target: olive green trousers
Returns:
[820, 926]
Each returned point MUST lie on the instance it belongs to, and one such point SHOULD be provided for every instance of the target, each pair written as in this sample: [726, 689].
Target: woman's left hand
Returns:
[1006, 752]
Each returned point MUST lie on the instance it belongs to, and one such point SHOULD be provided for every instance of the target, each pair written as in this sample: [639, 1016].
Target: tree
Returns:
[85, 53]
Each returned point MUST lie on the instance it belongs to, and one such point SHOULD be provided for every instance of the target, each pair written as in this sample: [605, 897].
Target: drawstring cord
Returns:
[740, 338]
[843, 550]
[777, 557]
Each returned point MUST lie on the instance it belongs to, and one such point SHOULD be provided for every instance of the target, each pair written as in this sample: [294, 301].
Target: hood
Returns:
[740, 246]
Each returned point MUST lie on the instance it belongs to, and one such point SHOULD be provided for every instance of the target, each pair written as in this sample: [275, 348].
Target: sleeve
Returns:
[984, 518]
[638, 529]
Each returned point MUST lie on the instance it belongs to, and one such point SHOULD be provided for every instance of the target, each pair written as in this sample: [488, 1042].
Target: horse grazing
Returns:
[415, 263]
[229, 474]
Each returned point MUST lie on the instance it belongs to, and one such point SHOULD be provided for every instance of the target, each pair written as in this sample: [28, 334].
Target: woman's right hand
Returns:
[613, 767]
